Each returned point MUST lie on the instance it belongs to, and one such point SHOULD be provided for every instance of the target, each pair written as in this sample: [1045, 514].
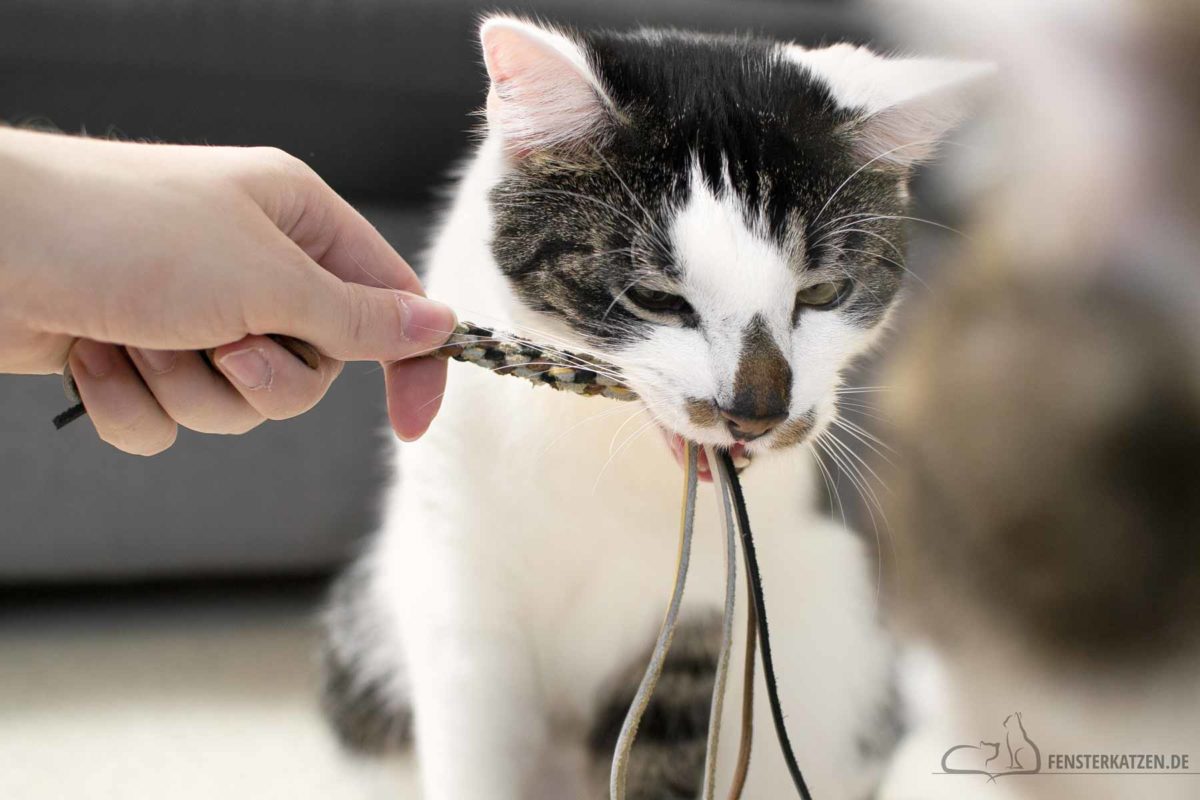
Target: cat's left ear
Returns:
[544, 92]
[902, 107]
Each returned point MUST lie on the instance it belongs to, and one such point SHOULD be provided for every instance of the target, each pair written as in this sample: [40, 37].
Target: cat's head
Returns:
[720, 216]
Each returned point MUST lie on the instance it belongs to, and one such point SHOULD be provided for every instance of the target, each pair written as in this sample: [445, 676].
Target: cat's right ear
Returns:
[544, 93]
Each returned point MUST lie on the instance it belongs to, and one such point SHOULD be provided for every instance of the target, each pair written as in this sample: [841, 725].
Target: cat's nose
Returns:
[747, 428]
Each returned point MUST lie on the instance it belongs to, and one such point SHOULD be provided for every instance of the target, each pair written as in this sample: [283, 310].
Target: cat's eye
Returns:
[658, 301]
[822, 296]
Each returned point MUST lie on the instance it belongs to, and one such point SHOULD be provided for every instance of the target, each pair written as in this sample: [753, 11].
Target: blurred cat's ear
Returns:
[902, 107]
[544, 93]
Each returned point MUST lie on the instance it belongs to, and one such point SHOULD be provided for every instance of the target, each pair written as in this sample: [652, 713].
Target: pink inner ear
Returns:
[497, 44]
[906, 134]
[543, 93]
[896, 136]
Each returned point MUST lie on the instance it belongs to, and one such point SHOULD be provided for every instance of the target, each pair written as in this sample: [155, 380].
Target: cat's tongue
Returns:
[704, 472]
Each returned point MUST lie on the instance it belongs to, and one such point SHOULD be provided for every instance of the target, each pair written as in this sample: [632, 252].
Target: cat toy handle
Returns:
[472, 344]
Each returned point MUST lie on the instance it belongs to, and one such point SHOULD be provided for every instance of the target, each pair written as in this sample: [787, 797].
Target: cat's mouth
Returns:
[737, 451]
[794, 432]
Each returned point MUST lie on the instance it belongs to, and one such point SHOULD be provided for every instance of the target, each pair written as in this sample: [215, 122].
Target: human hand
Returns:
[125, 259]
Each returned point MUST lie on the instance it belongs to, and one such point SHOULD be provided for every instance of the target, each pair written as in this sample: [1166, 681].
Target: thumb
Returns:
[352, 322]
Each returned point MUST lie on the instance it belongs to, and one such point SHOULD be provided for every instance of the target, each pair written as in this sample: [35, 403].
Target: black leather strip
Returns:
[764, 638]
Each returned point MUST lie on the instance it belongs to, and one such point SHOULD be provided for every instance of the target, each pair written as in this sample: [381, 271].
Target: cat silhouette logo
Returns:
[1019, 755]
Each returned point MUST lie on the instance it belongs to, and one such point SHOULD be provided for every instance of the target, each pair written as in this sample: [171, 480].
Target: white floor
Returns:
[212, 693]
[200, 696]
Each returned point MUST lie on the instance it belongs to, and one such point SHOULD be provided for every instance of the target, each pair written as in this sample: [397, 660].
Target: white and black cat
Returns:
[721, 218]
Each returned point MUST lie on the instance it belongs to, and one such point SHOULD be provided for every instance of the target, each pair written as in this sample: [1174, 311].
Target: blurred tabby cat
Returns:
[1047, 410]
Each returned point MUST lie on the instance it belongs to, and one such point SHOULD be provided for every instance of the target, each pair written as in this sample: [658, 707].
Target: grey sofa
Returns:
[376, 95]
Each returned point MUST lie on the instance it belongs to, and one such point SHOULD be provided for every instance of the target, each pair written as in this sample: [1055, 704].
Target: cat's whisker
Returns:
[588, 198]
[862, 410]
[815, 448]
[571, 359]
[856, 172]
[545, 340]
[857, 216]
[540, 338]
[846, 426]
[855, 473]
[621, 294]
[835, 220]
[858, 402]
[663, 238]
[566, 358]
[861, 464]
[864, 432]
[902, 267]
[612, 443]
[547, 364]
[845, 273]
[861, 389]
[846, 469]
[632, 437]
[830, 485]
[898, 251]
[430, 351]
[922, 220]
[871, 502]
[594, 417]
[603, 253]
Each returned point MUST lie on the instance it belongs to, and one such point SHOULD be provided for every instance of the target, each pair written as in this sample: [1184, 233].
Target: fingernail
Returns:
[248, 367]
[160, 361]
[425, 321]
[95, 357]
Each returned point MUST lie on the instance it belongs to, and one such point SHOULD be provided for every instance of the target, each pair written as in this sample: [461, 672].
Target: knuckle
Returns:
[272, 156]
[360, 315]
[281, 161]
[264, 167]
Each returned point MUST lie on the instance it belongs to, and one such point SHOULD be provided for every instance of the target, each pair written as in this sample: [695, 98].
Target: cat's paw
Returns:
[367, 712]
[668, 757]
